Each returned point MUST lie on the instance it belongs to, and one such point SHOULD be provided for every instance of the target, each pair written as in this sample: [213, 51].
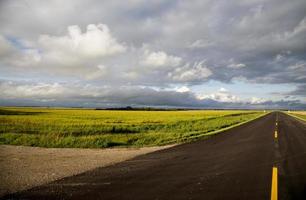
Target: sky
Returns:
[166, 53]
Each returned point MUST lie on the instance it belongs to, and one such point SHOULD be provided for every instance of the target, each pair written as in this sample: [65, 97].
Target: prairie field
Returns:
[88, 128]
[300, 114]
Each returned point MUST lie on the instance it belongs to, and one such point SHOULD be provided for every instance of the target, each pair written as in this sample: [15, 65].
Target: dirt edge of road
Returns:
[23, 167]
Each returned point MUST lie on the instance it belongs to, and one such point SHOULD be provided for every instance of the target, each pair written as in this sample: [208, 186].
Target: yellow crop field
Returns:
[88, 128]
[300, 114]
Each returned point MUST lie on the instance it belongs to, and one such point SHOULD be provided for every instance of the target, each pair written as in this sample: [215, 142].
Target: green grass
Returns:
[101, 128]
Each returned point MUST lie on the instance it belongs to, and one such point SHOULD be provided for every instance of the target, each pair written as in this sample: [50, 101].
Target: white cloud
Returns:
[182, 89]
[223, 95]
[97, 41]
[75, 54]
[201, 43]
[256, 100]
[15, 90]
[187, 73]
[160, 59]
[237, 66]
[223, 90]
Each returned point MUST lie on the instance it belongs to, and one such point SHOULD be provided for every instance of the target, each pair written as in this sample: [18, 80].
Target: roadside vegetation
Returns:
[299, 114]
[82, 128]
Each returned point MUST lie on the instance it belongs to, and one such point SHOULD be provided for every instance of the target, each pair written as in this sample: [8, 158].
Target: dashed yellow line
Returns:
[274, 170]
[274, 184]
[275, 134]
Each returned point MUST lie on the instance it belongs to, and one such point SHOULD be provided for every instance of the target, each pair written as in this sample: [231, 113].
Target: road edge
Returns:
[212, 133]
[299, 118]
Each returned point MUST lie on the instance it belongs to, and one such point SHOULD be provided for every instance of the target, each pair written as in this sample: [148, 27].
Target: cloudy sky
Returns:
[197, 53]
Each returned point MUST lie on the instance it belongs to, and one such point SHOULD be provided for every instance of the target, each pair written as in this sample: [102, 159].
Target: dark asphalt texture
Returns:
[235, 164]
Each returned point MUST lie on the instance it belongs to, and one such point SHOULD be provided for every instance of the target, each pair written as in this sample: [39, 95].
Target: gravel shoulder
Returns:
[24, 167]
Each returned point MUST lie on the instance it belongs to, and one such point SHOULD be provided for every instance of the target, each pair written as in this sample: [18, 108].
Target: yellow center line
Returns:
[274, 184]
[276, 124]
[275, 134]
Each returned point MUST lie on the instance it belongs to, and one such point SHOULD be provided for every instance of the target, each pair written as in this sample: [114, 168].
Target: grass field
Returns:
[300, 114]
[102, 128]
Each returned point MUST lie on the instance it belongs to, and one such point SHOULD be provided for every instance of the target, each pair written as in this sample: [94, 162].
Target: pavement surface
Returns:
[235, 164]
[23, 167]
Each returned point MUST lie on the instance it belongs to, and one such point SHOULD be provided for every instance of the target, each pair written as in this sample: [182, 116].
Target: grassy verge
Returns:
[298, 114]
[101, 129]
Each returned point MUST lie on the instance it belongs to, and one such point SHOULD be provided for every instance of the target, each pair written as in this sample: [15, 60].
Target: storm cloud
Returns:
[137, 52]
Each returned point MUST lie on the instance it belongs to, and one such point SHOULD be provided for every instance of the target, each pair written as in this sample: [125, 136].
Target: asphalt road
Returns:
[236, 164]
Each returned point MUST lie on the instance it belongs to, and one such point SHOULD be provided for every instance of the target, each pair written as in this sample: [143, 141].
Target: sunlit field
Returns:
[300, 114]
[104, 128]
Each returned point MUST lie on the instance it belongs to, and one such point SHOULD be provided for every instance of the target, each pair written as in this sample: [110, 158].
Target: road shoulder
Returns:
[24, 167]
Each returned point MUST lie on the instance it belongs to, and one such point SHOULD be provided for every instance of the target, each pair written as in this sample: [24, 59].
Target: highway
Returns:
[262, 159]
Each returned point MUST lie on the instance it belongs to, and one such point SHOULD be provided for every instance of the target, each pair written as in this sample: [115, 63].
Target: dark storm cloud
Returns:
[252, 33]
[66, 94]
[155, 43]
[300, 90]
